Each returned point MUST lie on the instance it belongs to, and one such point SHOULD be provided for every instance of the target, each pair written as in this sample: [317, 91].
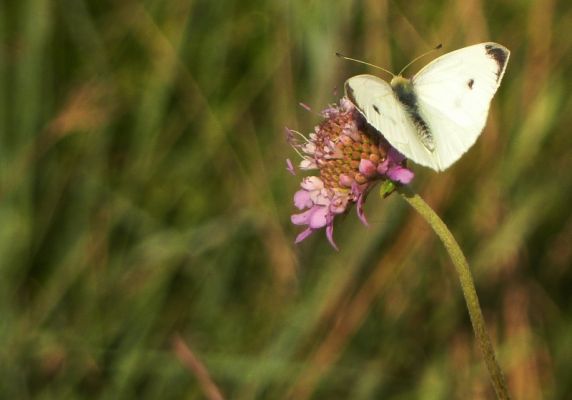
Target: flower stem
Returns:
[467, 285]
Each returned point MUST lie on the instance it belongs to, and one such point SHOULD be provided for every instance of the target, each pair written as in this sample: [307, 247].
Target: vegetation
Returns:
[145, 206]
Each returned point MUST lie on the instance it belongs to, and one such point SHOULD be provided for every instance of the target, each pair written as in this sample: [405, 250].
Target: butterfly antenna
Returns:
[363, 62]
[421, 56]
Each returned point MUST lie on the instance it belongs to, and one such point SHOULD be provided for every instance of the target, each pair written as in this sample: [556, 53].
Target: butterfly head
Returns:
[402, 86]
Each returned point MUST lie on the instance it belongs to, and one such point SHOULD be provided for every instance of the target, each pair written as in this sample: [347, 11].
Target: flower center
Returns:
[341, 145]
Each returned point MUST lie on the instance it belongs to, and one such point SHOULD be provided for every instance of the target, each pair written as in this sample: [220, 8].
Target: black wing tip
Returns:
[500, 54]
[497, 52]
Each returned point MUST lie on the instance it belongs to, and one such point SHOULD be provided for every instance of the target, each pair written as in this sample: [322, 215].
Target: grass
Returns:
[144, 198]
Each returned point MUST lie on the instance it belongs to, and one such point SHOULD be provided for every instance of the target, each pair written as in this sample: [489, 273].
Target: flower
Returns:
[351, 158]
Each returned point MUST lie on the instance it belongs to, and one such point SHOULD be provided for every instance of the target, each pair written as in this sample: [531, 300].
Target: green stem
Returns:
[467, 285]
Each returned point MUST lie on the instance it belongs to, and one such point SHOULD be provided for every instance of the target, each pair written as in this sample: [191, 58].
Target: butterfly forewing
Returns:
[454, 94]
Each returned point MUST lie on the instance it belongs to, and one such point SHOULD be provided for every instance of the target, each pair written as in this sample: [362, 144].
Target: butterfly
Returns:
[437, 115]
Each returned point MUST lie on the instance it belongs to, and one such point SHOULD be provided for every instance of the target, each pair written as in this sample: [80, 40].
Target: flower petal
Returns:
[400, 174]
[312, 183]
[290, 167]
[302, 218]
[302, 199]
[382, 167]
[303, 235]
[309, 148]
[367, 168]
[346, 180]
[319, 218]
[360, 210]
[307, 164]
[321, 197]
[330, 235]
[346, 104]
[339, 202]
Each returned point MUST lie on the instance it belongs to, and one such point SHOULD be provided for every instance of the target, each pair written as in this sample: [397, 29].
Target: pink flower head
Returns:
[351, 158]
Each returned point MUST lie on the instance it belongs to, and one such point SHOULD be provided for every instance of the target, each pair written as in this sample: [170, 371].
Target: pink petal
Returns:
[321, 197]
[367, 168]
[302, 200]
[360, 210]
[345, 180]
[357, 190]
[339, 203]
[319, 218]
[353, 133]
[303, 235]
[400, 174]
[330, 112]
[346, 104]
[303, 218]
[290, 167]
[330, 235]
[383, 166]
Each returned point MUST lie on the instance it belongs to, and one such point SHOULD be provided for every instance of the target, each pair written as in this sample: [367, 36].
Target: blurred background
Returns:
[146, 249]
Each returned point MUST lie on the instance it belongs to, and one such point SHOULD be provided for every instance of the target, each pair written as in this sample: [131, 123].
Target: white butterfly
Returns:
[436, 116]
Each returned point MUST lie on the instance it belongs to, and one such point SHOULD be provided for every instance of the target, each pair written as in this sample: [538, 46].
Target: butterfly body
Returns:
[403, 90]
[436, 116]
